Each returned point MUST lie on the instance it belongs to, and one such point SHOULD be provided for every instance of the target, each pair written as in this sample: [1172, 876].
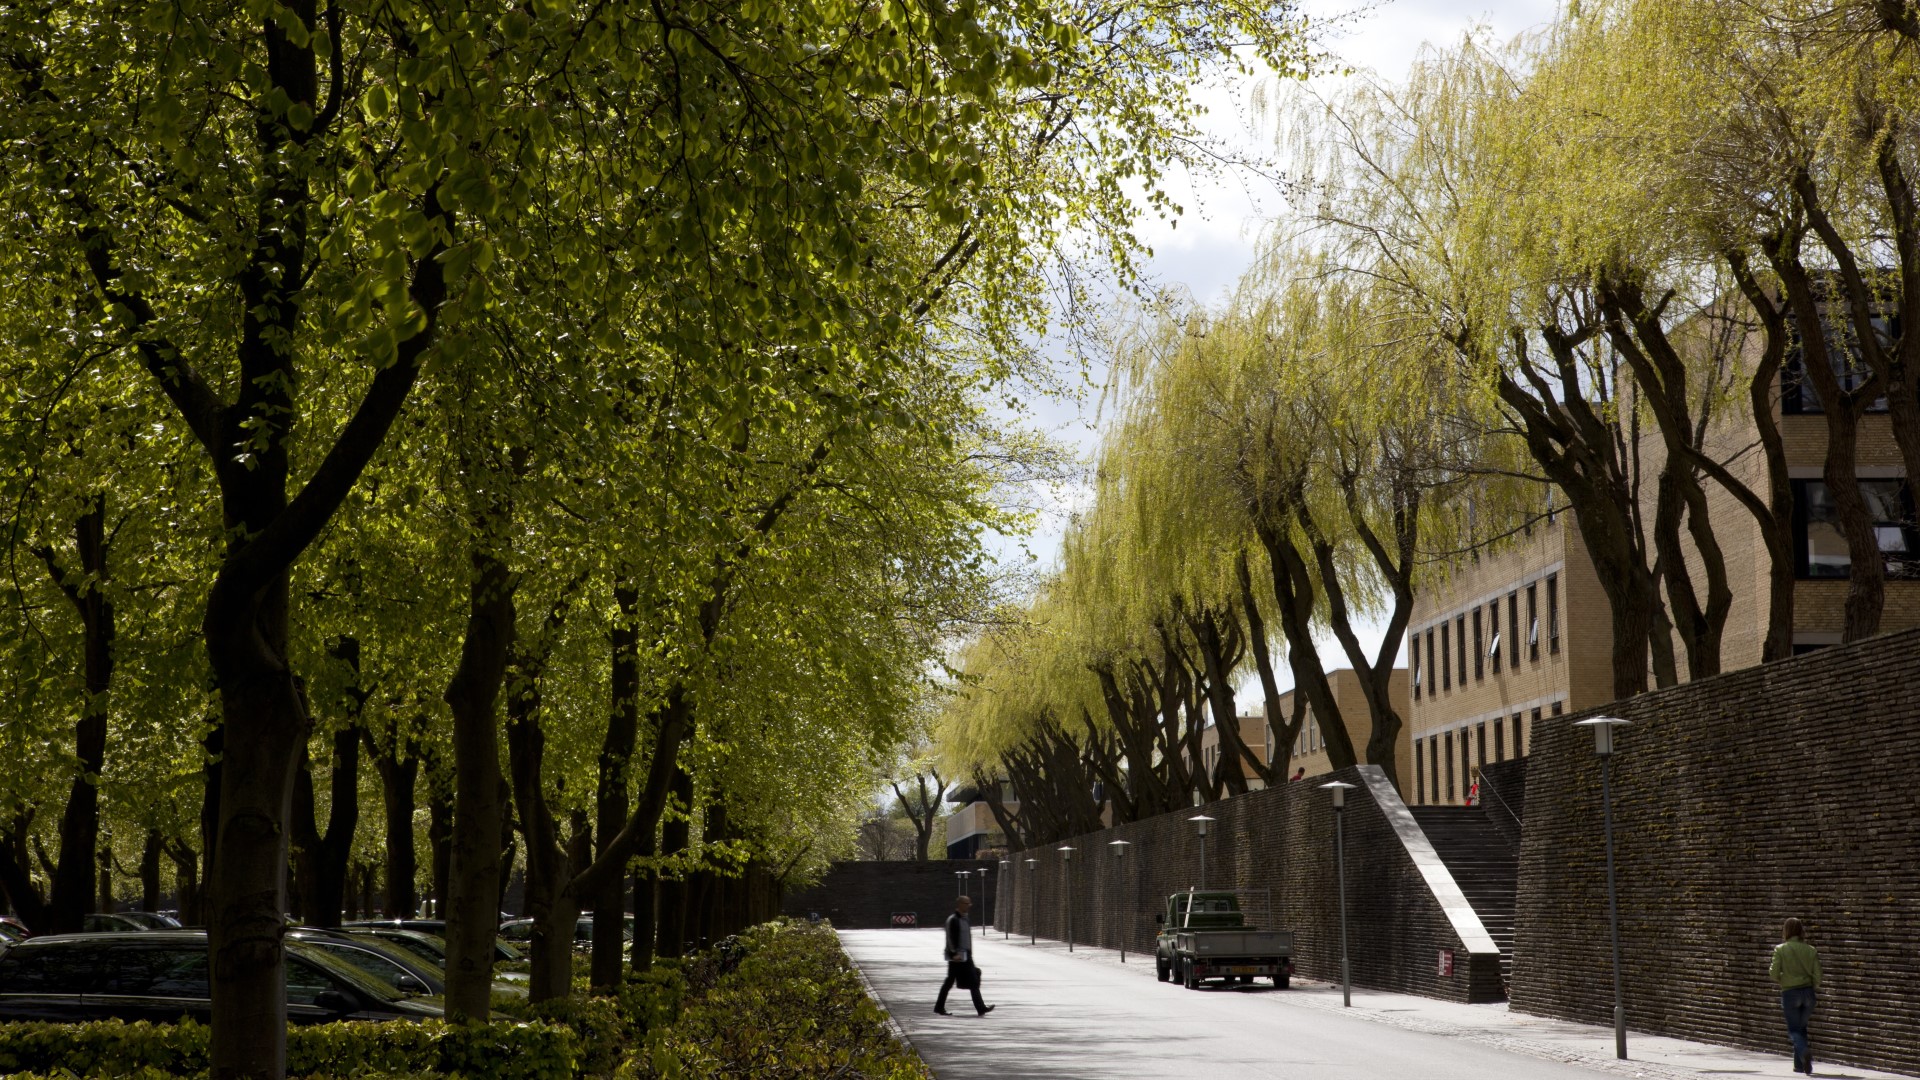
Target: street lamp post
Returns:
[1120, 853]
[1066, 864]
[1338, 789]
[983, 900]
[1033, 911]
[1004, 931]
[1603, 747]
[1201, 820]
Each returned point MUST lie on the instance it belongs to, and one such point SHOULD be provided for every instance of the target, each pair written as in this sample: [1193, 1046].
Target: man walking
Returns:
[1796, 967]
[960, 967]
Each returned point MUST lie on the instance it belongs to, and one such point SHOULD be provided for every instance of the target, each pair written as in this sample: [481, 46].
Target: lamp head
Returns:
[1119, 847]
[1066, 852]
[1200, 821]
[1031, 863]
[1602, 732]
[1338, 789]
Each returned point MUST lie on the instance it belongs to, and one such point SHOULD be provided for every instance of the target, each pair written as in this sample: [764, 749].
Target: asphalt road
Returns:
[1065, 1017]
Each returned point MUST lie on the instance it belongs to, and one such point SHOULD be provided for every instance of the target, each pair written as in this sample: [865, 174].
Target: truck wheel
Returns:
[1192, 981]
[1280, 982]
[1160, 969]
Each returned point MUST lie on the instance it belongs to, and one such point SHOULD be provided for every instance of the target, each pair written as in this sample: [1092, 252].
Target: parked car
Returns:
[14, 928]
[407, 972]
[149, 920]
[10, 933]
[161, 976]
[436, 928]
[520, 931]
[103, 923]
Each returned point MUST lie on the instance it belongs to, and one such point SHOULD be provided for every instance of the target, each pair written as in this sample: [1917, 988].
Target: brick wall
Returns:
[1280, 841]
[1787, 790]
[865, 895]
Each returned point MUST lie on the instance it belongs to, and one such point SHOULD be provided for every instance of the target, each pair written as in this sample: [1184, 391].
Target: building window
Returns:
[1797, 392]
[1513, 628]
[1449, 766]
[1430, 667]
[1499, 739]
[1466, 764]
[1535, 722]
[1446, 656]
[1479, 654]
[1553, 613]
[1820, 549]
[1433, 764]
[1480, 736]
[1460, 635]
[1493, 635]
[1419, 771]
[1533, 621]
[1414, 655]
[1518, 749]
[1556, 708]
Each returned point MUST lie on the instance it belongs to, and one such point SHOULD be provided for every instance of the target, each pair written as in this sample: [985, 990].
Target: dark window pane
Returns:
[304, 983]
[66, 970]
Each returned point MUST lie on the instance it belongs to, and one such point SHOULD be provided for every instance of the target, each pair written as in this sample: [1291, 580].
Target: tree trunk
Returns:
[399, 769]
[640, 956]
[676, 834]
[440, 835]
[186, 881]
[473, 868]
[611, 797]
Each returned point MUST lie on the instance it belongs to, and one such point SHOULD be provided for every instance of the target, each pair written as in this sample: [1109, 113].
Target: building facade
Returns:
[1513, 637]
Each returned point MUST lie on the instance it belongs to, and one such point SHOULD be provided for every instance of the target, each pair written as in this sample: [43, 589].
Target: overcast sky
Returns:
[1214, 241]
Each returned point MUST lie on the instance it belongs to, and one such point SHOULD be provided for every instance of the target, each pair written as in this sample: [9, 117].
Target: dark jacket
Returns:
[958, 939]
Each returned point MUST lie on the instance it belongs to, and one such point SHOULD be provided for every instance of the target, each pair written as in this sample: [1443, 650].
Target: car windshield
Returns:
[345, 973]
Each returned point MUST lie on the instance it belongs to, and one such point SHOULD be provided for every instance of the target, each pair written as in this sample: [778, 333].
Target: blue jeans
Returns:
[1797, 1003]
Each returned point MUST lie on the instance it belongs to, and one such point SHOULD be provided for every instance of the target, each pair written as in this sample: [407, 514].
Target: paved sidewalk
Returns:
[1584, 1045]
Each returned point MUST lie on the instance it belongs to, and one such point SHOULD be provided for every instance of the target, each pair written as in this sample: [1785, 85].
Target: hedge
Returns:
[793, 1009]
[782, 1005]
[110, 1048]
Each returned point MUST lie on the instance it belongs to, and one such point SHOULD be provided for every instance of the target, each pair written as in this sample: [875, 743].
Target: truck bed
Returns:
[1224, 944]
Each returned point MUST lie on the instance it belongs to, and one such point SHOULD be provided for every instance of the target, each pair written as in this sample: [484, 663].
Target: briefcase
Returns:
[969, 977]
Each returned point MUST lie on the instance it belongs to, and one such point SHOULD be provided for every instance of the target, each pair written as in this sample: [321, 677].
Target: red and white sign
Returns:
[906, 918]
[1446, 963]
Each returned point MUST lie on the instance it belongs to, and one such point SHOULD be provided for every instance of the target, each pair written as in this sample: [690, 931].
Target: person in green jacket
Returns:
[1796, 968]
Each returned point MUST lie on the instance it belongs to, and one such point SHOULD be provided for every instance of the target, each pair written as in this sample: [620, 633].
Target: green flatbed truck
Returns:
[1204, 936]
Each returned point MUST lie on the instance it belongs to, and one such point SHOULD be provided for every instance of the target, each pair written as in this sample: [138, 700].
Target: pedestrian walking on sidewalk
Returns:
[1796, 968]
[960, 968]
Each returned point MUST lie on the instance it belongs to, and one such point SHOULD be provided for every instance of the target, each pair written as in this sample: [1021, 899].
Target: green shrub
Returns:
[110, 1048]
[792, 1010]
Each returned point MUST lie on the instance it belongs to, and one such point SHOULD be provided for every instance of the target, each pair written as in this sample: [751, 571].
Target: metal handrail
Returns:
[1489, 785]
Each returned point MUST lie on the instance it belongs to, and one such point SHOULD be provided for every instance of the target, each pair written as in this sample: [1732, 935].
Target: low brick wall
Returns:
[1280, 840]
[866, 895]
[1787, 790]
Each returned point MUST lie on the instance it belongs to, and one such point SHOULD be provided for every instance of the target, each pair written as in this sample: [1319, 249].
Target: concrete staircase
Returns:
[1479, 859]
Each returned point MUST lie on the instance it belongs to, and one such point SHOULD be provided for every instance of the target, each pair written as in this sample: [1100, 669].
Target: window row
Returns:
[1441, 651]
[1447, 766]
[1820, 548]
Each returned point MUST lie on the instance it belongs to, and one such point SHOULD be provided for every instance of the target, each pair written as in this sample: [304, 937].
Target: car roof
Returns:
[139, 937]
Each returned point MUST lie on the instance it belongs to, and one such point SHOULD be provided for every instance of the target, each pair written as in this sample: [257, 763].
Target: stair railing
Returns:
[1487, 785]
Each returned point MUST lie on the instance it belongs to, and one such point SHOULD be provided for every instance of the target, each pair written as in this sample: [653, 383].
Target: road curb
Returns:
[893, 1024]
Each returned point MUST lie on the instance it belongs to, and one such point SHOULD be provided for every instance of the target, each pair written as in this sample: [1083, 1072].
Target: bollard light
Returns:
[1120, 852]
[1603, 748]
[983, 900]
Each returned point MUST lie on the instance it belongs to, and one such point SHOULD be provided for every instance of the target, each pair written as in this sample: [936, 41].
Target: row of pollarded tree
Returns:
[1545, 274]
[579, 412]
